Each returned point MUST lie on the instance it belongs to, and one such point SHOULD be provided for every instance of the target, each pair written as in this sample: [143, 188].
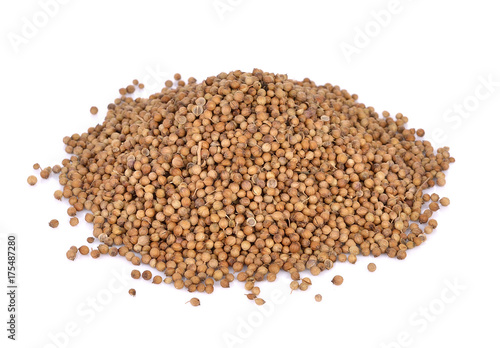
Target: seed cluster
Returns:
[253, 173]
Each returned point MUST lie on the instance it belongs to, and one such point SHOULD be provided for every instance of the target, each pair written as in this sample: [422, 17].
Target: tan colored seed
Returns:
[146, 275]
[318, 298]
[372, 267]
[132, 292]
[71, 255]
[94, 110]
[58, 195]
[445, 201]
[194, 302]
[32, 180]
[84, 250]
[53, 223]
[74, 221]
[259, 302]
[337, 280]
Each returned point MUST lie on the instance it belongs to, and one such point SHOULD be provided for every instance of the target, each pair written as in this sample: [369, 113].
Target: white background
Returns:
[423, 60]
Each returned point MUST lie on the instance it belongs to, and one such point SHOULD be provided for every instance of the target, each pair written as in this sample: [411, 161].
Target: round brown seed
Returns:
[337, 280]
[32, 180]
[84, 250]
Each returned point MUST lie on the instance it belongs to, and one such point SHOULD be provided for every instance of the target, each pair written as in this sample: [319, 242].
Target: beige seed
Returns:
[32, 180]
[194, 302]
[337, 280]
[259, 302]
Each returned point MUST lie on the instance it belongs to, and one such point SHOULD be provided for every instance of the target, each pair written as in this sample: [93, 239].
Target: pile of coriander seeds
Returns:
[245, 175]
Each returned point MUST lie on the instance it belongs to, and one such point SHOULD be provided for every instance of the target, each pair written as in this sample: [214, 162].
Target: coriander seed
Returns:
[259, 302]
[32, 180]
[337, 280]
[194, 302]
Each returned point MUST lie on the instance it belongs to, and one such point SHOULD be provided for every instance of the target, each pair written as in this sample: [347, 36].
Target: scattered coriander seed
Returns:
[36, 166]
[147, 275]
[303, 286]
[259, 301]
[135, 274]
[71, 255]
[337, 280]
[177, 77]
[194, 302]
[74, 221]
[372, 267]
[32, 180]
[420, 132]
[132, 292]
[90, 240]
[58, 195]
[256, 291]
[44, 174]
[84, 250]
[318, 298]
[445, 201]
[94, 110]
[294, 285]
[53, 223]
[157, 279]
[95, 254]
